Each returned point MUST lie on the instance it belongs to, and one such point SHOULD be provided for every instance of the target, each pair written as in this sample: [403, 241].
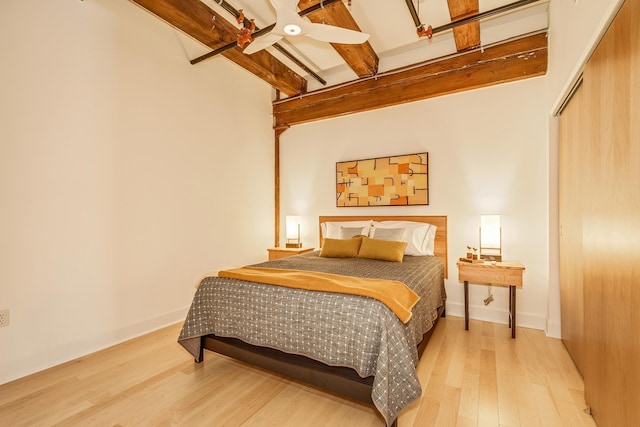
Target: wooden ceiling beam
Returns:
[196, 19]
[513, 60]
[466, 36]
[362, 59]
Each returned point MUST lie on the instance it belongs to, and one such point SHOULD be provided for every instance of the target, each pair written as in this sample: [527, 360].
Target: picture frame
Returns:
[383, 181]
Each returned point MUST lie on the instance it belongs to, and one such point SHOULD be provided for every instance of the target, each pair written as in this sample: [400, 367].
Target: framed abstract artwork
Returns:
[383, 181]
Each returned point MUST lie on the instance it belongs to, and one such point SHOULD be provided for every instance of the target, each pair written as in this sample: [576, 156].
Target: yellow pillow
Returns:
[341, 248]
[385, 250]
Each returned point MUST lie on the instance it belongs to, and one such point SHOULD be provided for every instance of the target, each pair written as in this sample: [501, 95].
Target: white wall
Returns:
[488, 153]
[125, 173]
[576, 27]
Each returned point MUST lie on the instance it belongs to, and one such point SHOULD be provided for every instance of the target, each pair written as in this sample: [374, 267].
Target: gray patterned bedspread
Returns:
[336, 329]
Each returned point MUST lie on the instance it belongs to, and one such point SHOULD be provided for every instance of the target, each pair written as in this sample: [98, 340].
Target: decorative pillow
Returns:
[385, 250]
[396, 234]
[331, 230]
[420, 236]
[341, 248]
[349, 232]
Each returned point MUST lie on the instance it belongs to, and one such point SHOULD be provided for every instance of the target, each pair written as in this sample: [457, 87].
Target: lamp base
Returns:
[294, 245]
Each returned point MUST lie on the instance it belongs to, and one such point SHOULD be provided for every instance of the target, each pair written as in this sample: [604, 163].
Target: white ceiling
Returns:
[392, 33]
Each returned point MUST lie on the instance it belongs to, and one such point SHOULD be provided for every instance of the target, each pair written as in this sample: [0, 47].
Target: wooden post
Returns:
[278, 131]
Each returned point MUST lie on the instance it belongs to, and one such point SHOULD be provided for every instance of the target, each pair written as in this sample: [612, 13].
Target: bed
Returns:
[352, 345]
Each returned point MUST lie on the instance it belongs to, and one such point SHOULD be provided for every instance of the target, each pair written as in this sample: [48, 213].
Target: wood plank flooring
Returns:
[477, 378]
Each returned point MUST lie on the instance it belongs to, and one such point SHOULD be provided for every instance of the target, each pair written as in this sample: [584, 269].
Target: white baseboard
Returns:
[553, 329]
[497, 315]
[59, 354]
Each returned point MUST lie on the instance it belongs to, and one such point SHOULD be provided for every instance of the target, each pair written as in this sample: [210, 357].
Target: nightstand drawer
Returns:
[500, 274]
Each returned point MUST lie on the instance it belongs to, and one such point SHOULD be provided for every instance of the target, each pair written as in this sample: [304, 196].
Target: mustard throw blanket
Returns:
[395, 295]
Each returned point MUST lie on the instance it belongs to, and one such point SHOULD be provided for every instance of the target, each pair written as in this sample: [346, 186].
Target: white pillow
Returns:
[382, 233]
[349, 232]
[331, 230]
[420, 236]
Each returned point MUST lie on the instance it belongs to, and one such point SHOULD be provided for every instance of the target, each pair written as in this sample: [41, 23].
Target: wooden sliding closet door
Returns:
[611, 225]
[572, 173]
[608, 194]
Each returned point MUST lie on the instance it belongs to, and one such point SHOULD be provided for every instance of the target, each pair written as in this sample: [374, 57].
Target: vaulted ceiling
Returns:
[417, 48]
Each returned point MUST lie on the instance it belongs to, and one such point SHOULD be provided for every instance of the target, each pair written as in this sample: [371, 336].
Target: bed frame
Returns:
[340, 380]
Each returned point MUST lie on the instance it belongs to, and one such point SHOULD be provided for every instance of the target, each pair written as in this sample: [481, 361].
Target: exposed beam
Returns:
[361, 57]
[195, 19]
[466, 36]
[513, 60]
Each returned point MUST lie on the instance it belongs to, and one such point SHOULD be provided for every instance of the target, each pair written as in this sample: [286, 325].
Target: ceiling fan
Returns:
[289, 23]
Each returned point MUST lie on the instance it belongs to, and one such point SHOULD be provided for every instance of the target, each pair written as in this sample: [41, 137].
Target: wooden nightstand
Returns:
[506, 274]
[277, 253]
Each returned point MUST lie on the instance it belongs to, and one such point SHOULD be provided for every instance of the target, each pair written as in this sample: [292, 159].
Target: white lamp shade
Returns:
[293, 223]
[490, 231]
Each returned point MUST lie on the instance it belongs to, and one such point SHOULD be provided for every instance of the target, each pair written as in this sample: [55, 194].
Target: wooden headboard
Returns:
[440, 249]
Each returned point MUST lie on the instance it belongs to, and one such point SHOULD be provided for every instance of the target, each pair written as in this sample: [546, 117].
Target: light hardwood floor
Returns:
[477, 378]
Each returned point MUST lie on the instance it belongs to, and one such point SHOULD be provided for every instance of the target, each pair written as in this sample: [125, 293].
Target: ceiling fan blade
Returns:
[262, 42]
[284, 4]
[333, 34]
[289, 23]
[286, 16]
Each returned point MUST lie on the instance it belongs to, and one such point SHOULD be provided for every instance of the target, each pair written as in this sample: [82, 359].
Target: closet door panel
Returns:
[611, 225]
[571, 176]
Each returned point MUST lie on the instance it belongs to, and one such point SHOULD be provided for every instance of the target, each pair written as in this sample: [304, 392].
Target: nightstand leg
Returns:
[512, 298]
[510, 306]
[466, 305]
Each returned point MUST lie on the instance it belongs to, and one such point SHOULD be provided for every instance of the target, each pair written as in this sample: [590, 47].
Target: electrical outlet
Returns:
[4, 318]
